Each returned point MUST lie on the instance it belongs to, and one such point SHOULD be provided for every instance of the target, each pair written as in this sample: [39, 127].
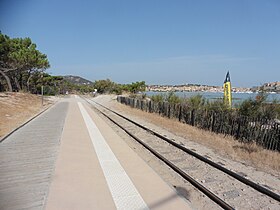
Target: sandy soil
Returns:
[17, 108]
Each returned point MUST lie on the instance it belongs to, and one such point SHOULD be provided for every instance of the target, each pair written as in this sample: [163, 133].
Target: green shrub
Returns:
[157, 98]
[260, 108]
[172, 98]
[196, 102]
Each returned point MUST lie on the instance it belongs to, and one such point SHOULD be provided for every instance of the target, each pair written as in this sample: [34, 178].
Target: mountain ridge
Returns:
[77, 80]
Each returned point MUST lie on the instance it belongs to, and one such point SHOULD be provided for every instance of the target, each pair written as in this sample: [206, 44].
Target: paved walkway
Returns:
[27, 159]
[94, 168]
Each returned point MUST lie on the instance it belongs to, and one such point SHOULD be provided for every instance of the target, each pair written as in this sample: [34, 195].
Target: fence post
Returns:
[169, 109]
[192, 117]
[213, 122]
[180, 113]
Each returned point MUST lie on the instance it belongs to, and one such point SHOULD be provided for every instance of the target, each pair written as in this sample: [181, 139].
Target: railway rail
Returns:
[163, 153]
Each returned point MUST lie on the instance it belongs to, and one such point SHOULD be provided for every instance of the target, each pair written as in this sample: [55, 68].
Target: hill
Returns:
[77, 80]
[268, 87]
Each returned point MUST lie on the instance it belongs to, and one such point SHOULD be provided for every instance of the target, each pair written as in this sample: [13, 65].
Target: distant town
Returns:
[267, 87]
[272, 87]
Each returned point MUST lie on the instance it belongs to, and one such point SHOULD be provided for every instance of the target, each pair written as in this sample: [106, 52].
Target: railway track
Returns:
[226, 188]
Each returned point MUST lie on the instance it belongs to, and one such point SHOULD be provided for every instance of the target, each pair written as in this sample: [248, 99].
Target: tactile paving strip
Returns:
[124, 193]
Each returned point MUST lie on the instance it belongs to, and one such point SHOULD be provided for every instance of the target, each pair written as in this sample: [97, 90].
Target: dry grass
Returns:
[16, 108]
[225, 146]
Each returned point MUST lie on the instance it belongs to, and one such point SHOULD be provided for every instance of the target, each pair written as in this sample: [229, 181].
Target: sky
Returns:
[158, 41]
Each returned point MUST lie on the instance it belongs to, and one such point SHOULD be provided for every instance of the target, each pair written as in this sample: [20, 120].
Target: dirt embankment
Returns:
[16, 108]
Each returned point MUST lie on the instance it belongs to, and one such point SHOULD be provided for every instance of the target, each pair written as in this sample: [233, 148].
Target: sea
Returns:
[237, 98]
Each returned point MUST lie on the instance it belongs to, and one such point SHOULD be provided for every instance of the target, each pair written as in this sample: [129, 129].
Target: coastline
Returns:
[211, 95]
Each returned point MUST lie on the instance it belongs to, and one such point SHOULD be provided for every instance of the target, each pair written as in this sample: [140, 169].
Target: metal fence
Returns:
[263, 132]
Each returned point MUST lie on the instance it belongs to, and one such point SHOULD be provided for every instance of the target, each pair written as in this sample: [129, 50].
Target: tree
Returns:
[19, 59]
[104, 86]
[137, 87]
[5, 48]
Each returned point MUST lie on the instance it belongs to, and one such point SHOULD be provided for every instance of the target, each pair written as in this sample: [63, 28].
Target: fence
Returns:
[245, 129]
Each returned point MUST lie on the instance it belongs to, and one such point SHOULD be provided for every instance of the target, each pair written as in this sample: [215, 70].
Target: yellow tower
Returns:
[227, 90]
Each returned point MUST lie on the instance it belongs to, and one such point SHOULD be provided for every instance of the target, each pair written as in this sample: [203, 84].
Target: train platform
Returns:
[70, 158]
[96, 169]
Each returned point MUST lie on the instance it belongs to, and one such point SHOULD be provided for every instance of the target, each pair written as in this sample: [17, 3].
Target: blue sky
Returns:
[158, 41]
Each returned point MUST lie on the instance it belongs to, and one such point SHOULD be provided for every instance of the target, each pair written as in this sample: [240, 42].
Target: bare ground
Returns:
[17, 108]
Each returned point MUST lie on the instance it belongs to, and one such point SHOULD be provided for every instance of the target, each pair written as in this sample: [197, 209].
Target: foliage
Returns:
[19, 60]
[70, 87]
[136, 87]
[56, 85]
[172, 98]
[216, 106]
[52, 84]
[260, 108]
[107, 86]
[217, 117]
[196, 102]
[157, 98]
[253, 108]
[249, 107]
